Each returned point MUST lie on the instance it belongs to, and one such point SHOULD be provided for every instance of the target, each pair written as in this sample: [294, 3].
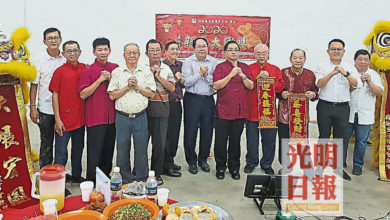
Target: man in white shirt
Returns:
[334, 78]
[362, 109]
[43, 115]
[130, 86]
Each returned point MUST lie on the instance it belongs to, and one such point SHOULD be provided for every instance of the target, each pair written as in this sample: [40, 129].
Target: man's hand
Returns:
[366, 78]
[264, 74]
[204, 70]
[310, 95]
[34, 115]
[156, 70]
[131, 82]
[179, 77]
[340, 69]
[107, 75]
[285, 94]
[59, 126]
[234, 72]
[103, 76]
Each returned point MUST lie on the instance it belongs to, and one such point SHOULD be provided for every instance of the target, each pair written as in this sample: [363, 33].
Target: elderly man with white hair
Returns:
[262, 69]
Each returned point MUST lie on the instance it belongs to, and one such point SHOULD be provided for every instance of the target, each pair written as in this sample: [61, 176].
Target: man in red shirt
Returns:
[68, 110]
[268, 136]
[231, 79]
[99, 110]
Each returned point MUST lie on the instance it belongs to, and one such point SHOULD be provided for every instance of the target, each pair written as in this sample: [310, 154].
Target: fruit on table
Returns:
[96, 196]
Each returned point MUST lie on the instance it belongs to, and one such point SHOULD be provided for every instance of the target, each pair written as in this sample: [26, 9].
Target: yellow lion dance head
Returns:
[378, 41]
[14, 58]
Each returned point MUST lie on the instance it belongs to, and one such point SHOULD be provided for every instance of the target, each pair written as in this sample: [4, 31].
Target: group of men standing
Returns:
[143, 101]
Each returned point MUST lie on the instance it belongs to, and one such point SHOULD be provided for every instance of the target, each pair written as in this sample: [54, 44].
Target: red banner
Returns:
[218, 29]
[266, 102]
[298, 115]
[15, 183]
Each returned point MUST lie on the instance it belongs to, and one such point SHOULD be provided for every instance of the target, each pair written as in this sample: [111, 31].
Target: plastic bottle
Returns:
[151, 187]
[116, 185]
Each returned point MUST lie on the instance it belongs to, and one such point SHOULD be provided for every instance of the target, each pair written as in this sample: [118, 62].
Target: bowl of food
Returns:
[82, 215]
[132, 209]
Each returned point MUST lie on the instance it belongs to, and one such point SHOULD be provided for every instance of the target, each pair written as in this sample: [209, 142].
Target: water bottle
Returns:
[116, 185]
[151, 187]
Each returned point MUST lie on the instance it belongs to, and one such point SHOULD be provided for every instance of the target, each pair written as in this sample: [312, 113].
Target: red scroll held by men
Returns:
[298, 115]
[266, 102]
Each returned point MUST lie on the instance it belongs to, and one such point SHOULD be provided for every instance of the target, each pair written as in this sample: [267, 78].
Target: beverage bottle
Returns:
[116, 185]
[151, 187]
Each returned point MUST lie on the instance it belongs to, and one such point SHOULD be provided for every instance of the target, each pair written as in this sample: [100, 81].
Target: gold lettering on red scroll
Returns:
[266, 102]
[7, 138]
[298, 115]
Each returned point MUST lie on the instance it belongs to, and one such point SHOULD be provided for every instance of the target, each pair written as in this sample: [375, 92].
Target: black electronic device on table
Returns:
[261, 187]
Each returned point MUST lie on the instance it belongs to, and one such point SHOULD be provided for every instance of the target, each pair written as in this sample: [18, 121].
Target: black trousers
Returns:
[174, 124]
[332, 116]
[228, 130]
[100, 149]
[158, 132]
[46, 129]
[198, 110]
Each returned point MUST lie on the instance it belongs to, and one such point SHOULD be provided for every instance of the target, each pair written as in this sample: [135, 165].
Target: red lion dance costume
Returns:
[16, 165]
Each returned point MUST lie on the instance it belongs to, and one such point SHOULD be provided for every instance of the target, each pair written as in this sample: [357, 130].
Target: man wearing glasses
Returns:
[130, 86]
[334, 79]
[158, 108]
[43, 115]
[199, 104]
[232, 80]
[69, 110]
[99, 110]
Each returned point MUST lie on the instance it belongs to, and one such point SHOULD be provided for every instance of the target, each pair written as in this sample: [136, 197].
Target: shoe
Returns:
[176, 167]
[160, 181]
[68, 178]
[343, 174]
[193, 168]
[269, 171]
[357, 170]
[204, 166]
[78, 179]
[248, 169]
[235, 175]
[172, 172]
[345, 165]
[220, 174]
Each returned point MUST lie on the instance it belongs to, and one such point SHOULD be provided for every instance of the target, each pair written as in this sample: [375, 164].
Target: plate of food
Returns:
[194, 210]
[134, 190]
[131, 209]
[82, 215]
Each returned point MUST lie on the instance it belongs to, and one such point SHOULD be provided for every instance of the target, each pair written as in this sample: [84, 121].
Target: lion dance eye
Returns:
[383, 40]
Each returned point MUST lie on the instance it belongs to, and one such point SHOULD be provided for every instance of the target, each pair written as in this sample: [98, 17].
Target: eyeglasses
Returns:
[75, 51]
[131, 53]
[235, 50]
[154, 51]
[336, 49]
[53, 38]
[201, 47]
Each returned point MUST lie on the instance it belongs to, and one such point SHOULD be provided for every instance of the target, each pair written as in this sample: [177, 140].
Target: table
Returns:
[71, 203]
